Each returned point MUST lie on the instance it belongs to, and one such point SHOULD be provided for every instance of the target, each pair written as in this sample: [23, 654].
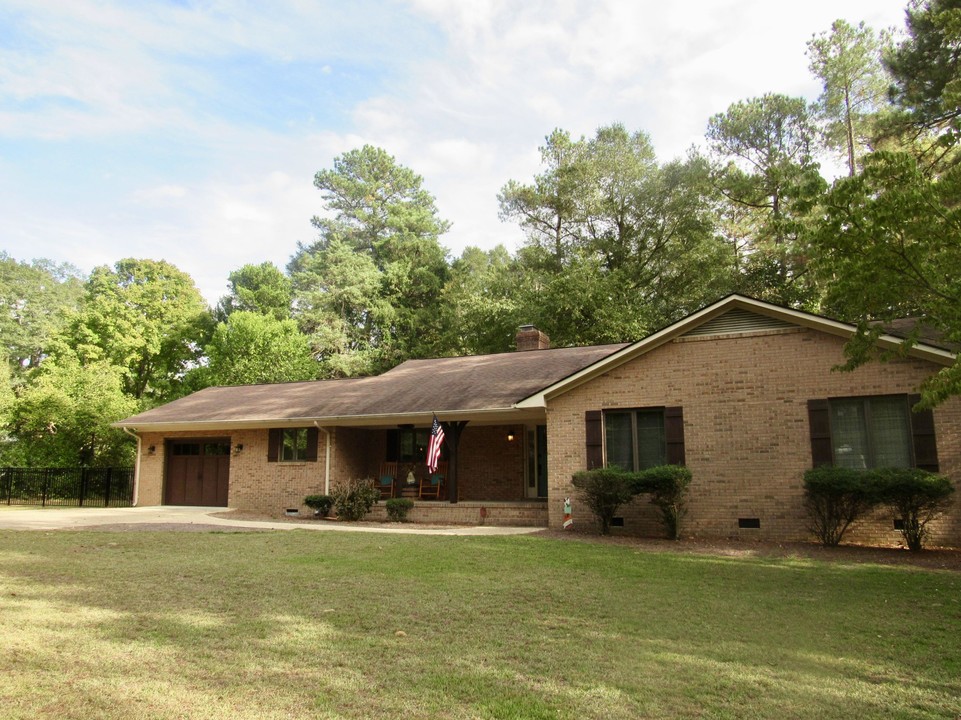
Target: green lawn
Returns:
[341, 625]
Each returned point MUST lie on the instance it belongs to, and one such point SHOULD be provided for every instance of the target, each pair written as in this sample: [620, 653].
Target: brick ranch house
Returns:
[743, 392]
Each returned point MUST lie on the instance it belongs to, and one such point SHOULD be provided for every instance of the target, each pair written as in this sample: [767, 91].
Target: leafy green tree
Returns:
[480, 304]
[62, 417]
[37, 300]
[847, 61]
[251, 348]
[765, 169]
[146, 317]
[889, 247]
[369, 312]
[261, 289]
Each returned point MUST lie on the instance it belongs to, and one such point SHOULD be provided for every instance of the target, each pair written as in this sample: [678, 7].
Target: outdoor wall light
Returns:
[510, 437]
[152, 449]
[238, 448]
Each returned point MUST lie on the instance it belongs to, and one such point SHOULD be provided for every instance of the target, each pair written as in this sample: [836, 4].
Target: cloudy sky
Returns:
[191, 131]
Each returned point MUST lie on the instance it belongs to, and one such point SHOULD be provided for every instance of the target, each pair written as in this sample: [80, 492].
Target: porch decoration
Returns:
[568, 519]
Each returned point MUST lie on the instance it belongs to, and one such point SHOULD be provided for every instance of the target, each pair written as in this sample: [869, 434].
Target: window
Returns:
[635, 439]
[871, 432]
[412, 444]
[293, 445]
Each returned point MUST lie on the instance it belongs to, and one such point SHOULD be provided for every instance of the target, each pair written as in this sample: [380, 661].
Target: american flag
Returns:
[433, 447]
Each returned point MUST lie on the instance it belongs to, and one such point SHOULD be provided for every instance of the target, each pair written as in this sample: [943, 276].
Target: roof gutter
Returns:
[132, 432]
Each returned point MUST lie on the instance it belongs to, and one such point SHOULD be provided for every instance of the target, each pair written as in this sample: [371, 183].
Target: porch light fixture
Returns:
[238, 448]
[152, 449]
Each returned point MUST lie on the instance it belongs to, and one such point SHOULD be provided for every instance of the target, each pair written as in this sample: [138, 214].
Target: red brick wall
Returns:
[744, 399]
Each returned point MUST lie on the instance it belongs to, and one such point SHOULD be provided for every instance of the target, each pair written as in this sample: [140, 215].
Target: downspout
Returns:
[136, 467]
[326, 459]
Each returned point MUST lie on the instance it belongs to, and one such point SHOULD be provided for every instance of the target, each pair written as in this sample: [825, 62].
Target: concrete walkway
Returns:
[57, 518]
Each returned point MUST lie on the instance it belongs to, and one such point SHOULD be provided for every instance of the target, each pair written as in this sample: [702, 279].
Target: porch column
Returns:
[452, 431]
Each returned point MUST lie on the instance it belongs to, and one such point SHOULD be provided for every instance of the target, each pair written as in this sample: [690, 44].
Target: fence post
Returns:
[46, 487]
[106, 489]
[83, 485]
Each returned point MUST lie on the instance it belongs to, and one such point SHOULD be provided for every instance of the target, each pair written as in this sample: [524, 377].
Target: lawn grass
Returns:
[342, 625]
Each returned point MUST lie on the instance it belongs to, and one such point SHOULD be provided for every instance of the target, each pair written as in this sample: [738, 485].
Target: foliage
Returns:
[145, 317]
[764, 167]
[366, 290]
[890, 246]
[251, 348]
[847, 61]
[668, 486]
[611, 234]
[915, 497]
[260, 289]
[397, 509]
[36, 301]
[62, 417]
[320, 503]
[835, 497]
[603, 491]
[354, 499]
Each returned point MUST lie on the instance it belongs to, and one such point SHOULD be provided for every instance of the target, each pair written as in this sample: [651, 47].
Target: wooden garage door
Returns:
[197, 472]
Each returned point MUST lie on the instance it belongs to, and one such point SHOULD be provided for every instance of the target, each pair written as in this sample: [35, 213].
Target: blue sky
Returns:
[191, 131]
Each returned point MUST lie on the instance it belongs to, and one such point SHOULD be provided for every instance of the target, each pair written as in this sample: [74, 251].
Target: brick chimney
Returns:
[530, 338]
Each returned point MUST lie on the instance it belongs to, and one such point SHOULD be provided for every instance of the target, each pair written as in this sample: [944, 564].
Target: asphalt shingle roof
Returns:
[480, 382]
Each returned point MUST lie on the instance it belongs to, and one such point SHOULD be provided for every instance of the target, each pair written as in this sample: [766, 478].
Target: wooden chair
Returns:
[432, 485]
[386, 480]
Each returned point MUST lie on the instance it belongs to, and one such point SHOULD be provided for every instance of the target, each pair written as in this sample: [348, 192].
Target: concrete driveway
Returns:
[169, 517]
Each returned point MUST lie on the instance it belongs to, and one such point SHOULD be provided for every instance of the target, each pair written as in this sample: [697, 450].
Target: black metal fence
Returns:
[96, 487]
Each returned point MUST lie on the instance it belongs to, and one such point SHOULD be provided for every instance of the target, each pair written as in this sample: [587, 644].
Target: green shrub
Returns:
[397, 509]
[667, 485]
[915, 497]
[603, 491]
[835, 497]
[320, 504]
[355, 499]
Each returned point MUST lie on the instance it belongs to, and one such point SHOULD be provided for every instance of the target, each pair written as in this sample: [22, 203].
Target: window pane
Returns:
[294, 446]
[651, 445]
[849, 434]
[890, 432]
[619, 439]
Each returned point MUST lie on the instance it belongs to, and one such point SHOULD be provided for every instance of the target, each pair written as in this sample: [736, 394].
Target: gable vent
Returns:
[739, 321]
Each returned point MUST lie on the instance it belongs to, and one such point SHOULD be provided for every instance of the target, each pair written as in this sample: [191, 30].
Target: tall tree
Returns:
[927, 74]
[146, 317]
[378, 211]
[37, 299]
[847, 61]
[763, 153]
[611, 235]
[253, 348]
[261, 289]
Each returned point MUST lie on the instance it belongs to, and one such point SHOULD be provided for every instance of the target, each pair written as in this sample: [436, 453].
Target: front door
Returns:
[537, 462]
[197, 472]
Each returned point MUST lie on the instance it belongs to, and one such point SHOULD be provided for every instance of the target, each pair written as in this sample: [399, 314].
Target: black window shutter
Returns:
[313, 439]
[594, 432]
[922, 431]
[819, 422]
[674, 435]
[273, 444]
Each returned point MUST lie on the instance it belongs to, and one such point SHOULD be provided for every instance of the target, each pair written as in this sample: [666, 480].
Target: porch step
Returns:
[526, 514]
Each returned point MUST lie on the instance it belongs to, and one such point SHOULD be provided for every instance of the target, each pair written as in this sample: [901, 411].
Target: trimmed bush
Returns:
[835, 497]
[320, 504]
[915, 497]
[397, 509]
[603, 491]
[355, 499]
[667, 485]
